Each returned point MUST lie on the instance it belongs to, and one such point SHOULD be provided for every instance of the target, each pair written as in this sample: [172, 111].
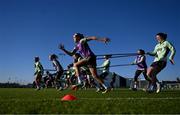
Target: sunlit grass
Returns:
[21, 100]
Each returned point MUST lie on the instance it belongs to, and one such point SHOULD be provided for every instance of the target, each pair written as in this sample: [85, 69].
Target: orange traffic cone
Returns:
[68, 97]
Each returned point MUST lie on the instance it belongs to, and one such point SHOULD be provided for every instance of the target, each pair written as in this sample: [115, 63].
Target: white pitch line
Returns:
[98, 99]
[168, 98]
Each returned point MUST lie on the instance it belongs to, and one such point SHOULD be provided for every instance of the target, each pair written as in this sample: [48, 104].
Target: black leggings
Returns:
[138, 72]
[104, 75]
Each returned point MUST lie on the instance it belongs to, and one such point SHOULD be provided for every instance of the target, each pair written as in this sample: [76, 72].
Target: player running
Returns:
[89, 57]
[160, 52]
[39, 71]
[140, 61]
[105, 70]
[59, 71]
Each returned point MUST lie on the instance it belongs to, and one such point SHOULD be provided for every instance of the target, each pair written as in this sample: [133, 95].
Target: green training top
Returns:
[161, 51]
[38, 68]
[106, 65]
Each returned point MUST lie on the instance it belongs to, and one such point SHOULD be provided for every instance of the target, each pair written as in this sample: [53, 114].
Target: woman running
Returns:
[160, 52]
[89, 57]
[140, 61]
[59, 71]
[39, 71]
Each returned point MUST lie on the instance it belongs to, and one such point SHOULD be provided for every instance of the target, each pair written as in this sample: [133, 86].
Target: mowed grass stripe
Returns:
[48, 101]
[98, 99]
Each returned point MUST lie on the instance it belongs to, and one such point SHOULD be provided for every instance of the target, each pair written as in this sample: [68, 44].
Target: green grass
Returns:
[23, 101]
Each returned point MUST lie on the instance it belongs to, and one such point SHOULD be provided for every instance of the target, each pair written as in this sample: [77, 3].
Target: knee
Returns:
[75, 65]
[149, 73]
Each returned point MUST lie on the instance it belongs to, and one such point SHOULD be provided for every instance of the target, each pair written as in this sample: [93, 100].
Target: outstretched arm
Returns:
[105, 40]
[134, 62]
[152, 53]
[70, 53]
[173, 52]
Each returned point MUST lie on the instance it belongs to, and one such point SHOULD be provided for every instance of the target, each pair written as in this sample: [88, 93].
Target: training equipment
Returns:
[118, 54]
[68, 97]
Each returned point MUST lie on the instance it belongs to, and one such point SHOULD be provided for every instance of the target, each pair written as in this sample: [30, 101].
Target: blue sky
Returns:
[31, 28]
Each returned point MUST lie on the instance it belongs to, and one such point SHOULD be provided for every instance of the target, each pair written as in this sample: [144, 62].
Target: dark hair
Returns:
[79, 35]
[142, 52]
[162, 35]
[36, 59]
[47, 72]
[53, 56]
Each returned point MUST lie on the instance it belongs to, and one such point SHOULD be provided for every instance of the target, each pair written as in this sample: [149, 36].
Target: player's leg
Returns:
[137, 73]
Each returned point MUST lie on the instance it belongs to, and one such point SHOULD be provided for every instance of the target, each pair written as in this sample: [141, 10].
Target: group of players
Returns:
[84, 68]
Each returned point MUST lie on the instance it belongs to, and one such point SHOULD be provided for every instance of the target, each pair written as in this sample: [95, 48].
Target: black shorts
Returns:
[38, 75]
[138, 72]
[104, 75]
[58, 74]
[91, 61]
[159, 65]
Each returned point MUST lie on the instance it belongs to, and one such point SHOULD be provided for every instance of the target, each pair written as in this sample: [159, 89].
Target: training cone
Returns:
[68, 98]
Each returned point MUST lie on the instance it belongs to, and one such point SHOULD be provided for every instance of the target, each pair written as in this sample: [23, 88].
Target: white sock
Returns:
[79, 80]
[135, 86]
[37, 87]
[97, 88]
[104, 86]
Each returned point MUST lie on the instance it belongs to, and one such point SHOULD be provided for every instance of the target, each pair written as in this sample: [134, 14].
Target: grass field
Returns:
[19, 100]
